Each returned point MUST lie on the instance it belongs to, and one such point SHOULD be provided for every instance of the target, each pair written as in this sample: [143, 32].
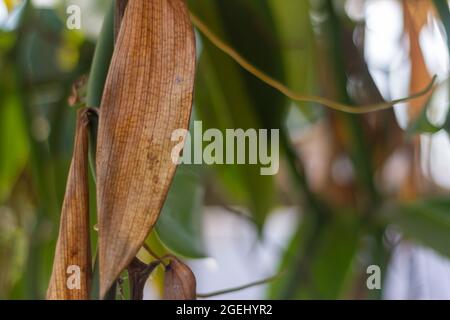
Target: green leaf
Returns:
[39, 48]
[292, 23]
[7, 41]
[334, 258]
[43, 90]
[13, 248]
[102, 59]
[422, 124]
[319, 260]
[250, 29]
[179, 225]
[14, 144]
[227, 97]
[427, 221]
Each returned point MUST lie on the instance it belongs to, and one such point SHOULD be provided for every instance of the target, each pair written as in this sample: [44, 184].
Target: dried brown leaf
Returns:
[415, 14]
[148, 95]
[71, 276]
[415, 18]
[179, 281]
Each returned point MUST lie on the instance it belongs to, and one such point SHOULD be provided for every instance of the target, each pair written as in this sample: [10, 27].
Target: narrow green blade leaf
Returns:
[230, 98]
[426, 221]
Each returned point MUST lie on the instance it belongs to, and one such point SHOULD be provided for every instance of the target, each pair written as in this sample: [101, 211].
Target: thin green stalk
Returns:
[102, 59]
[97, 78]
[239, 288]
[274, 83]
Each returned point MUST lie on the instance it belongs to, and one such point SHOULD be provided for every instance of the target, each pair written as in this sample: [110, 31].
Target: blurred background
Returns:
[352, 191]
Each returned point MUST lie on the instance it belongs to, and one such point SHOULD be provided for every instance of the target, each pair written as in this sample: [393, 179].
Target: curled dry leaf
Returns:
[148, 94]
[179, 281]
[138, 272]
[71, 275]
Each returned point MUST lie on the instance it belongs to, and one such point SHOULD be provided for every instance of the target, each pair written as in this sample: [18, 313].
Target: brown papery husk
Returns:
[148, 94]
[179, 281]
[72, 271]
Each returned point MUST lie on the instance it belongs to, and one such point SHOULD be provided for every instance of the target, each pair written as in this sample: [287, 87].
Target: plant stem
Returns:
[99, 70]
[344, 107]
[153, 254]
[243, 287]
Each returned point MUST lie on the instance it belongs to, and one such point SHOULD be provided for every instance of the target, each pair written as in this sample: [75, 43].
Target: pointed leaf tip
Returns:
[179, 281]
[71, 275]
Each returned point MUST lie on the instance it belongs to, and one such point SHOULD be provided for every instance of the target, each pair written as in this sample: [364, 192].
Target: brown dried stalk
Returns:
[147, 95]
[71, 276]
[138, 272]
